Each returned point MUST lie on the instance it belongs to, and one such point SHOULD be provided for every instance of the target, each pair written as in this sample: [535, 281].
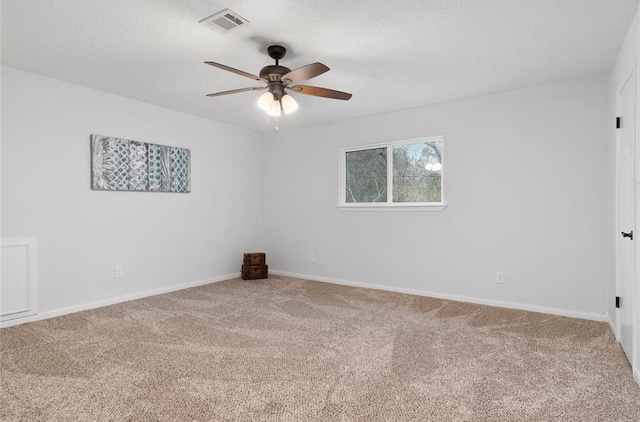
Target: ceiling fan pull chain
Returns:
[275, 120]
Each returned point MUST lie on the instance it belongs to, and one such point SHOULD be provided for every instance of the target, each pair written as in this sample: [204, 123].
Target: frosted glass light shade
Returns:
[266, 101]
[289, 105]
[275, 109]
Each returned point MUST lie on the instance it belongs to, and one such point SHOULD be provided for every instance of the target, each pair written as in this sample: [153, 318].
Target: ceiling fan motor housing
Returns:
[273, 75]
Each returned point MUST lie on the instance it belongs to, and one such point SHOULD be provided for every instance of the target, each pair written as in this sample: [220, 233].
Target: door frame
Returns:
[635, 288]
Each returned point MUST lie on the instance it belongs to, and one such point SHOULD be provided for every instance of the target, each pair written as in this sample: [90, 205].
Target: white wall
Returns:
[527, 180]
[528, 183]
[161, 239]
[622, 68]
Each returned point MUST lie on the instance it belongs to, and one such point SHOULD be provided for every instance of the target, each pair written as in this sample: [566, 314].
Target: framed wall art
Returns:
[124, 165]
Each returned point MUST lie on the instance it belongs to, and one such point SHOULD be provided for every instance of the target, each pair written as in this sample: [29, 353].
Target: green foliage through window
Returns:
[366, 178]
[416, 172]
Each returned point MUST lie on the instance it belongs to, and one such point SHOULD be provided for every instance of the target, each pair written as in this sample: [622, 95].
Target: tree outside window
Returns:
[415, 169]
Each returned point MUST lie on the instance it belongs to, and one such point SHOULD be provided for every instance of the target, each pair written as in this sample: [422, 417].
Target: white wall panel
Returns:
[19, 281]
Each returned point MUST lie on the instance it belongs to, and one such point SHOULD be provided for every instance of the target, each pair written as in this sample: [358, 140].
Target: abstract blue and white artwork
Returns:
[159, 164]
[121, 164]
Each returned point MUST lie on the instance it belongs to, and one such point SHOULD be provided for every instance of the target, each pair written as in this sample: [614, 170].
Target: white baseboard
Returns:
[113, 301]
[479, 301]
[636, 376]
[490, 302]
[612, 326]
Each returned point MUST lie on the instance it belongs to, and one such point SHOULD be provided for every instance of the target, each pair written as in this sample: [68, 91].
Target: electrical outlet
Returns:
[119, 272]
[313, 257]
[500, 277]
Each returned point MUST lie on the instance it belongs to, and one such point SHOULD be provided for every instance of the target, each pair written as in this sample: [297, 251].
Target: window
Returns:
[406, 173]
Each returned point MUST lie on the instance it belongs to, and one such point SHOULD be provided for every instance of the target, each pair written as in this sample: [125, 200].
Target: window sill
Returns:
[393, 207]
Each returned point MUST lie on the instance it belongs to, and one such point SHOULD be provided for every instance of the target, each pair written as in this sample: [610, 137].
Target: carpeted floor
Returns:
[292, 350]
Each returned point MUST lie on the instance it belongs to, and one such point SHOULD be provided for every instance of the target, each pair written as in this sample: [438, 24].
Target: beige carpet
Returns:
[292, 350]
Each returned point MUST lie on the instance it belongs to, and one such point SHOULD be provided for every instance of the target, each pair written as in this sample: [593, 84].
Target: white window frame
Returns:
[389, 205]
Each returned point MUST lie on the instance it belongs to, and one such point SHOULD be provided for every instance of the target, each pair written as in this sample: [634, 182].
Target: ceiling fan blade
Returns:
[236, 71]
[304, 73]
[321, 92]
[235, 91]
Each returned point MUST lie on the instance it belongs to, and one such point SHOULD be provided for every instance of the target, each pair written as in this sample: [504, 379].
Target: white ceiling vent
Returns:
[224, 21]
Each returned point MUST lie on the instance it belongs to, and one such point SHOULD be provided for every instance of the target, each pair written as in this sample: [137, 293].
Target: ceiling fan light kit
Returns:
[265, 101]
[273, 107]
[278, 80]
[274, 110]
[289, 104]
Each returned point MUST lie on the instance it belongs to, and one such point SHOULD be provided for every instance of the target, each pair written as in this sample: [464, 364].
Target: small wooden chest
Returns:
[255, 272]
[254, 266]
[254, 258]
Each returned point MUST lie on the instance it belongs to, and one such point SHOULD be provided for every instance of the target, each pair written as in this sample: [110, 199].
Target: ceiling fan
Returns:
[279, 80]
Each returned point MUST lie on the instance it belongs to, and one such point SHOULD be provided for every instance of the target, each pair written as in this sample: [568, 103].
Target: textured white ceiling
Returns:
[390, 55]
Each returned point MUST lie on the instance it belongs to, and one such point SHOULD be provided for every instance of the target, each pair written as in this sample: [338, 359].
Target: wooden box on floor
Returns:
[254, 266]
[255, 272]
[255, 258]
